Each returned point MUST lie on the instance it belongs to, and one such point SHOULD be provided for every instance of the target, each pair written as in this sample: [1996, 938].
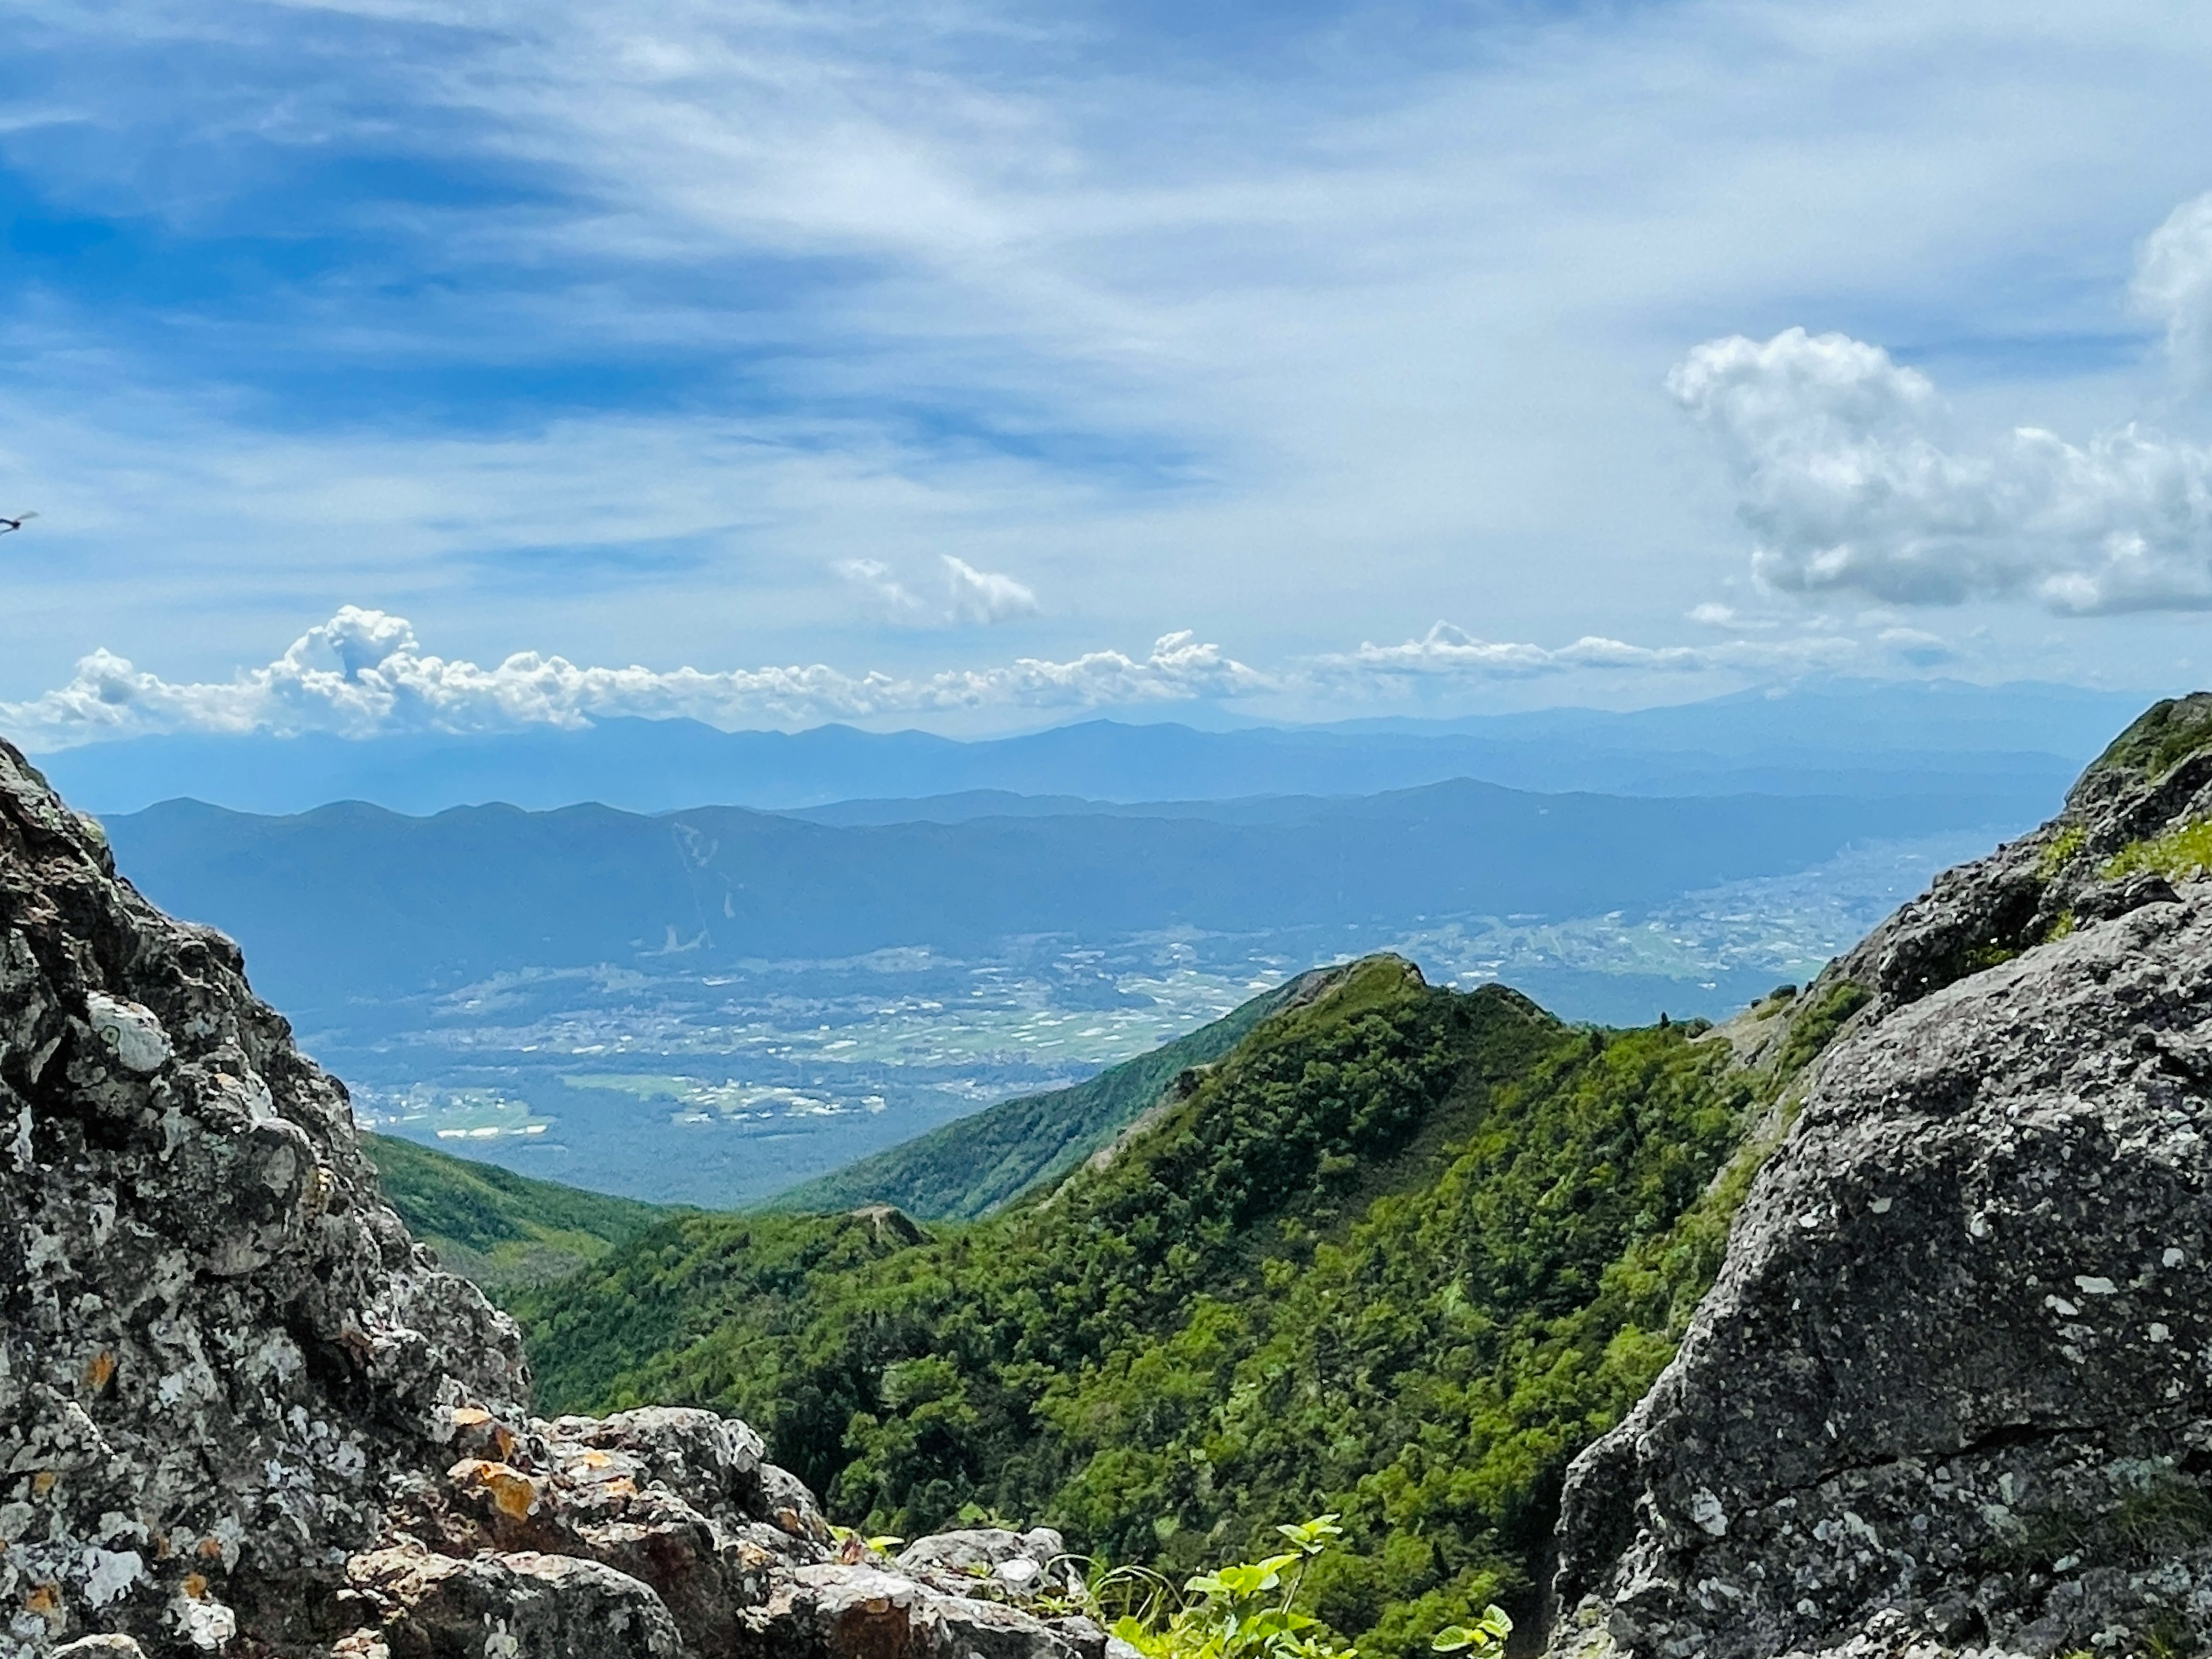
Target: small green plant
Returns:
[1486, 1635]
[2061, 851]
[1250, 1611]
[854, 1546]
[1816, 1026]
[2180, 854]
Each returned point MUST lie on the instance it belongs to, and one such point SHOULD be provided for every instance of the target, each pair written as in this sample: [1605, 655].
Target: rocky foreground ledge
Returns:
[242, 1412]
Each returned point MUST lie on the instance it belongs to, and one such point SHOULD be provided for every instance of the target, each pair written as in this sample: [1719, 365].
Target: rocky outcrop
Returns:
[242, 1412]
[1953, 1390]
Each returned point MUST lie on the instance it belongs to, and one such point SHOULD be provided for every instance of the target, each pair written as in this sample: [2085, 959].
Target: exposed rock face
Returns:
[241, 1411]
[1954, 1388]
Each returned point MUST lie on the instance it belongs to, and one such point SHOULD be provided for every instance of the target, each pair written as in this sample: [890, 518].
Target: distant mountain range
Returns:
[350, 901]
[1853, 738]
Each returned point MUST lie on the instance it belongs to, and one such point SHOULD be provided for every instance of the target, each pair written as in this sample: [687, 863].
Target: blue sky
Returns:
[927, 364]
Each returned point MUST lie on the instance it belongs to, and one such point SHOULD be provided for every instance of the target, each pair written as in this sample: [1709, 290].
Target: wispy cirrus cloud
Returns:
[972, 597]
[1130, 302]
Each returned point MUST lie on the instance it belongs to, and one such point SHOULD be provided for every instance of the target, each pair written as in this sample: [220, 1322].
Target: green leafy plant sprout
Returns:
[1485, 1636]
[1250, 1610]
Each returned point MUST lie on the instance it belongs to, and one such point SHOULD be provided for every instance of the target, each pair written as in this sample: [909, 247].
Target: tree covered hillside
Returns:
[977, 1164]
[1399, 1254]
[504, 1231]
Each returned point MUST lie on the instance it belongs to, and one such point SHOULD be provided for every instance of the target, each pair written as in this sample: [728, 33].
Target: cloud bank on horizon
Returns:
[364, 674]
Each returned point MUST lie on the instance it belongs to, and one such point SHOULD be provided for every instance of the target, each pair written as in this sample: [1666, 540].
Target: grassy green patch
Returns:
[644, 1085]
[1816, 1027]
[2180, 854]
[504, 1231]
[2163, 737]
[2061, 850]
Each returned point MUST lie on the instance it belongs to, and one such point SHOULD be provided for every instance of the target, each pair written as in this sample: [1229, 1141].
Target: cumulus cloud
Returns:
[364, 672]
[2174, 284]
[1445, 650]
[1851, 478]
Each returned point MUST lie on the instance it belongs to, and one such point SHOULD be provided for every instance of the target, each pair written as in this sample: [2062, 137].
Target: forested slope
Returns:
[1399, 1254]
[974, 1165]
[502, 1230]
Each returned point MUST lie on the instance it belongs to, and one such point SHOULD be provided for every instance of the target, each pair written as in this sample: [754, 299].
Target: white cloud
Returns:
[1339, 300]
[985, 597]
[975, 598]
[884, 594]
[364, 672]
[2174, 284]
[1445, 650]
[1849, 474]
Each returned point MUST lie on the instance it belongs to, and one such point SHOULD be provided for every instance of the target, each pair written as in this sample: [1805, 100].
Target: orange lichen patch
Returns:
[503, 1437]
[195, 1586]
[752, 1556]
[100, 1372]
[42, 1483]
[511, 1492]
[161, 1546]
[469, 1417]
[210, 1549]
[44, 1599]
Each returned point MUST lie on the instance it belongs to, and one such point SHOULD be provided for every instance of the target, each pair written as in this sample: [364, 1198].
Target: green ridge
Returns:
[1398, 1256]
[504, 1231]
[981, 1162]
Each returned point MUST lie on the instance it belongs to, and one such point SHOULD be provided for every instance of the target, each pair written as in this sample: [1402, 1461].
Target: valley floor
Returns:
[722, 1088]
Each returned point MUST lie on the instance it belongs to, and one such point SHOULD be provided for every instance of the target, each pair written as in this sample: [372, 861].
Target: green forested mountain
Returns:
[502, 1230]
[974, 1164]
[1399, 1254]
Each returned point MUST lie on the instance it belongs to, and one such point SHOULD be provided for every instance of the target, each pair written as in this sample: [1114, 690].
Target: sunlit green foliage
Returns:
[979, 1164]
[2182, 853]
[505, 1231]
[1815, 1027]
[2061, 850]
[1256, 1610]
[2164, 736]
[1398, 1257]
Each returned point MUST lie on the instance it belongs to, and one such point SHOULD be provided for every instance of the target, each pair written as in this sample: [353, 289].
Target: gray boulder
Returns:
[1953, 1390]
[242, 1412]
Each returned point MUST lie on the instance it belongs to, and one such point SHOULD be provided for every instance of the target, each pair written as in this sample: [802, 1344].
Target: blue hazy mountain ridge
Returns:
[1838, 737]
[350, 901]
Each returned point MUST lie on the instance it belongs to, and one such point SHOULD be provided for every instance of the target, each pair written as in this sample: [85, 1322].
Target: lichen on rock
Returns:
[1952, 1388]
[243, 1412]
